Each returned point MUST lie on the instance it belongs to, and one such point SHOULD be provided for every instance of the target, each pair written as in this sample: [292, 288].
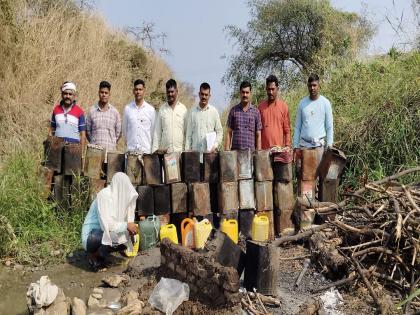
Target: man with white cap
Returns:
[68, 119]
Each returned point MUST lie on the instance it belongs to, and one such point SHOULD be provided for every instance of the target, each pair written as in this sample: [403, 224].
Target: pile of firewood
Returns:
[374, 238]
[257, 304]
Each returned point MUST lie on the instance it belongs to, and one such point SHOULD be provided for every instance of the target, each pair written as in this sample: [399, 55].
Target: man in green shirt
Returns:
[204, 130]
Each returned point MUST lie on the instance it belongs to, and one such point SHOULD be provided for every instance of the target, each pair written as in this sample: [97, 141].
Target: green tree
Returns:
[294, 37]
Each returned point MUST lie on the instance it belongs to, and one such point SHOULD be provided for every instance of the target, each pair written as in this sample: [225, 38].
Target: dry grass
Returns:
[45, 44]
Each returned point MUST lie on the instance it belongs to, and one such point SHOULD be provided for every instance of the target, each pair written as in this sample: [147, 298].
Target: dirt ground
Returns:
[76, 280]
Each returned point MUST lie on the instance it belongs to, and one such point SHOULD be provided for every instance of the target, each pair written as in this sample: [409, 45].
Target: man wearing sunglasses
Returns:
[68, 119]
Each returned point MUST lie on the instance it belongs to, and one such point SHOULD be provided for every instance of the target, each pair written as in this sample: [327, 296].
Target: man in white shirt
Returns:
[203, 120]
[139, 121]
[170, 122]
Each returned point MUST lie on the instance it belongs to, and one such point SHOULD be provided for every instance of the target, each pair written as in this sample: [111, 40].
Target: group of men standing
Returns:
[173, 128]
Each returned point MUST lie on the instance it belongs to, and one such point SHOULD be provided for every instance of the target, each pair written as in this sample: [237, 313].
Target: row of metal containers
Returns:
[155, 169]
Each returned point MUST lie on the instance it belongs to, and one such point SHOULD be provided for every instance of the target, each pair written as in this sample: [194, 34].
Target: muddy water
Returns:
[74, 277]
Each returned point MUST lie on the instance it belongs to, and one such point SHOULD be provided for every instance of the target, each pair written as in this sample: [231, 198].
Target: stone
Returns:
[92, 302]
[78, 307]
[98, 290]
[61, 305]
[134, 308]
[7, 263]
[114, 281]
[129, 297]
[97, 296]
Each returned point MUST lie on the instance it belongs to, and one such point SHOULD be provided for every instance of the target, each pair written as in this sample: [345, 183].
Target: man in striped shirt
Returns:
[68, 118]
[103, 123]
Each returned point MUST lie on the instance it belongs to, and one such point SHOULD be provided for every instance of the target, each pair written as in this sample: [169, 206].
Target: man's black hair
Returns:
[105, 84]
[245, 84]
[313, 77]
[270, 79]
[139, 81]
[171, 84]
[204, 86]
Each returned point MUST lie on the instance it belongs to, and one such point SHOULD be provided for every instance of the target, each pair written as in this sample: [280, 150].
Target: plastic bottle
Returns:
[202, 231]
[260, 228]
[169, 231]
[149, 232]
[230, 227]
[187, 233]
[136, 245]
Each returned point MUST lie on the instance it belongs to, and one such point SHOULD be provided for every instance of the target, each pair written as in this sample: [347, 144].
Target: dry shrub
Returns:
[44, 44]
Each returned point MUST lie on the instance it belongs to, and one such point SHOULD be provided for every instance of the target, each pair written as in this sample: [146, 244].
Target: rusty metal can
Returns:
[152, 169]
[45, 178]
[179, 197]
[309, 164]
[162, 196]
[134, 168]
[332, 164]
[172, 167]
[145, 201]
[228, 196]
[262, 164]
[283, 195]
[245, 222]
[228, 166]
[245, 164]
[282, 171]
[115, 164]
[191, 166]
[246, 194]
[211, 167]
[328, 189]
[54, 153]
[306, 188]
[95, 156]
[284, 222]
[95, 186]
[61, 191]
[264, 195]
[199, 199]
[72, 159]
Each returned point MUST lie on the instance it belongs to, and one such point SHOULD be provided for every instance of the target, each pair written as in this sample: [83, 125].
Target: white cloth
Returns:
[42, 292]
[116, 205]
[138, 126]
[68, 86]
[170, 128]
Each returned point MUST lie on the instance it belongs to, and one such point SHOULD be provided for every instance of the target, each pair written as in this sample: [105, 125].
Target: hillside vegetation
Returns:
[42, 44]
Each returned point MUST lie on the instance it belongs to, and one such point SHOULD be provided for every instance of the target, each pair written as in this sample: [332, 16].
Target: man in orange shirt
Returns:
[274, 117]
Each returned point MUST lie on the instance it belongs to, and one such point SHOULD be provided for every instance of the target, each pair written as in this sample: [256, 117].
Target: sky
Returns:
[199, 48]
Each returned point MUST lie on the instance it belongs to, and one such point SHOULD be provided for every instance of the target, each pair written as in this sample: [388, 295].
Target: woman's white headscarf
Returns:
[116, 205]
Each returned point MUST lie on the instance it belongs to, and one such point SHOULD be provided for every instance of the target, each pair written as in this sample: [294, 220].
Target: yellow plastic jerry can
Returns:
[202, 231]
[136, 245]
[260, 228]
[187, 233]
[230, 227]
[169, 231]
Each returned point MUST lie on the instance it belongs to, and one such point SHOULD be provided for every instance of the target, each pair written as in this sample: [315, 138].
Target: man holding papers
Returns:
[204, 129]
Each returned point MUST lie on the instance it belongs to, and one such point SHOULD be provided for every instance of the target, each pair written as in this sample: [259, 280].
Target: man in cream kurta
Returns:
[202, 120]
[170, 123]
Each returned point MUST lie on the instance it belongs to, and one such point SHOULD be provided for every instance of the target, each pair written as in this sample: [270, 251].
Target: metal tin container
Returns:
[309, 164]
[283, 195]
[328, 190]
[270, 216]
[199, 199]
[115, 164]
[246, 194]
[264, 195]
[332, 164]
[145, 201]
[306, 188]
[211, 167]
[152, 169]
[134, 168]
[245, 222]
[176, 219]
[54, 153]
[95, 186]
[72, 159]
[228, 166]
[172, 167]
[228, 196]
[245, 164]
[282, 171]
[179, 197]
[162, 196]
[94, 161]
[284, 222]
[61, 191]
[191, 166]
[45, 178]
[262, 164]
